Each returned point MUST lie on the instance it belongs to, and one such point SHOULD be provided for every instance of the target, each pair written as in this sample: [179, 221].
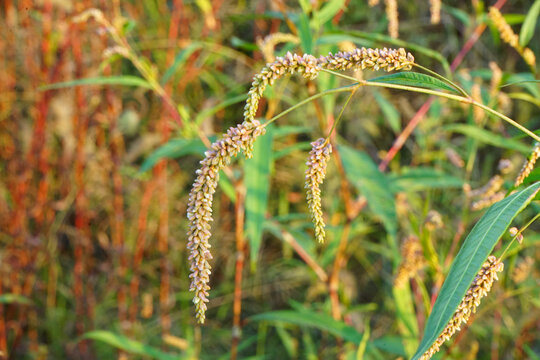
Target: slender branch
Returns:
[518, 234]
[311, 98]
[340, 113]
[462, 99]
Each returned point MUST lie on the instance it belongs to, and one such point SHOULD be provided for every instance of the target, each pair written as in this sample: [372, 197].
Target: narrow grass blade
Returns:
[423, 178]
[129, 345]
[410, 78]
[125, 80]
[326, 323]
[173, 149]
[257, 181]
[487, 137]
[180, 60]
[475, 250]
[329, 10]
[362, 172]
[14, 299]
[390, 112]
[306, 40]
[527, 29]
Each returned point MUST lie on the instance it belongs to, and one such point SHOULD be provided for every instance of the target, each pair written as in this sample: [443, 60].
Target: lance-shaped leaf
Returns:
[475, 250]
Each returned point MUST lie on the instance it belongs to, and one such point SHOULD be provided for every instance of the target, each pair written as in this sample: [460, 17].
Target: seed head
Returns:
[315, 173]
[288, 64]
[528, 166]
[412, 261]
[435, 10]
[199, 212]
[392, 15]
[488, 201]
[373, 59]
[479, 288]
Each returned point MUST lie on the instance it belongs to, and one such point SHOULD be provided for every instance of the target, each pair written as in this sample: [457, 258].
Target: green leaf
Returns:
[305, 145]
[527, 29]
[257, 181]
[487, 137]
[180, 60]
[129, 345]
[406, 317]
[306, 40]
[474, 252]
[14, 299]
[526, 81]
[423, 178]
[410, 78]
[390, 112]
[372, 183]
[287, 130]
[313, 319]
[326, 323]
[173, 149]
[125, 80]
[329, 10]
[222, 105]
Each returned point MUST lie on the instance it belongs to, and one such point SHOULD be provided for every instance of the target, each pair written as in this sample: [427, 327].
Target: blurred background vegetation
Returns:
[101, 122]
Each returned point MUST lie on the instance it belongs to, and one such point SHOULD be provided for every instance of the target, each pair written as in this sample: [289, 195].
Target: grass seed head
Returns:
[412, 261]
[373, 59]
[290, 63]
[199, 213]
[435, 11]
[392, 14]
[315, 173]
[528, 166]
[479, 288]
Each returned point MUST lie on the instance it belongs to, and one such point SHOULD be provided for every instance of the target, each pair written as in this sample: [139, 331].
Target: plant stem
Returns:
[465, 100]
[518, 234]
[311, 98]
[341, 113]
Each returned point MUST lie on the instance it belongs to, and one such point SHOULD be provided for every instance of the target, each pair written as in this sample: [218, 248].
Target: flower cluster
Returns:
[511, 38]
[309, 67]
[435, 10]
[528, 166]
[479, 288]
[392, 14]
[315, 173]
[199, 213]
[413, 260]
[288, 64]
[375, 59]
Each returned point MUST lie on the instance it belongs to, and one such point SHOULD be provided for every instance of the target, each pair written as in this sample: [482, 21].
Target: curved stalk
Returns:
[462, 99]
[311, 98]
[340, 114]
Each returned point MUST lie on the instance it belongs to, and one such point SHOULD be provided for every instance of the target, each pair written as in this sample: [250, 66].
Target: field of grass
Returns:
[218, 179]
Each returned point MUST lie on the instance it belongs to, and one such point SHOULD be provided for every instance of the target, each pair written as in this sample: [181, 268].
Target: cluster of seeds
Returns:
[309, 67]
[241, 138]
[511, 38]
[528, 166]
[315, 173]
[479, 288]
[288, 64]
[199, 211]
[413, 260]
[435, 10]
[373, 59]
[392, 14]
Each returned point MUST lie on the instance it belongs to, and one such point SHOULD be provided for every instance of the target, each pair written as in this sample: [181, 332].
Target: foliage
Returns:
[107, 108]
